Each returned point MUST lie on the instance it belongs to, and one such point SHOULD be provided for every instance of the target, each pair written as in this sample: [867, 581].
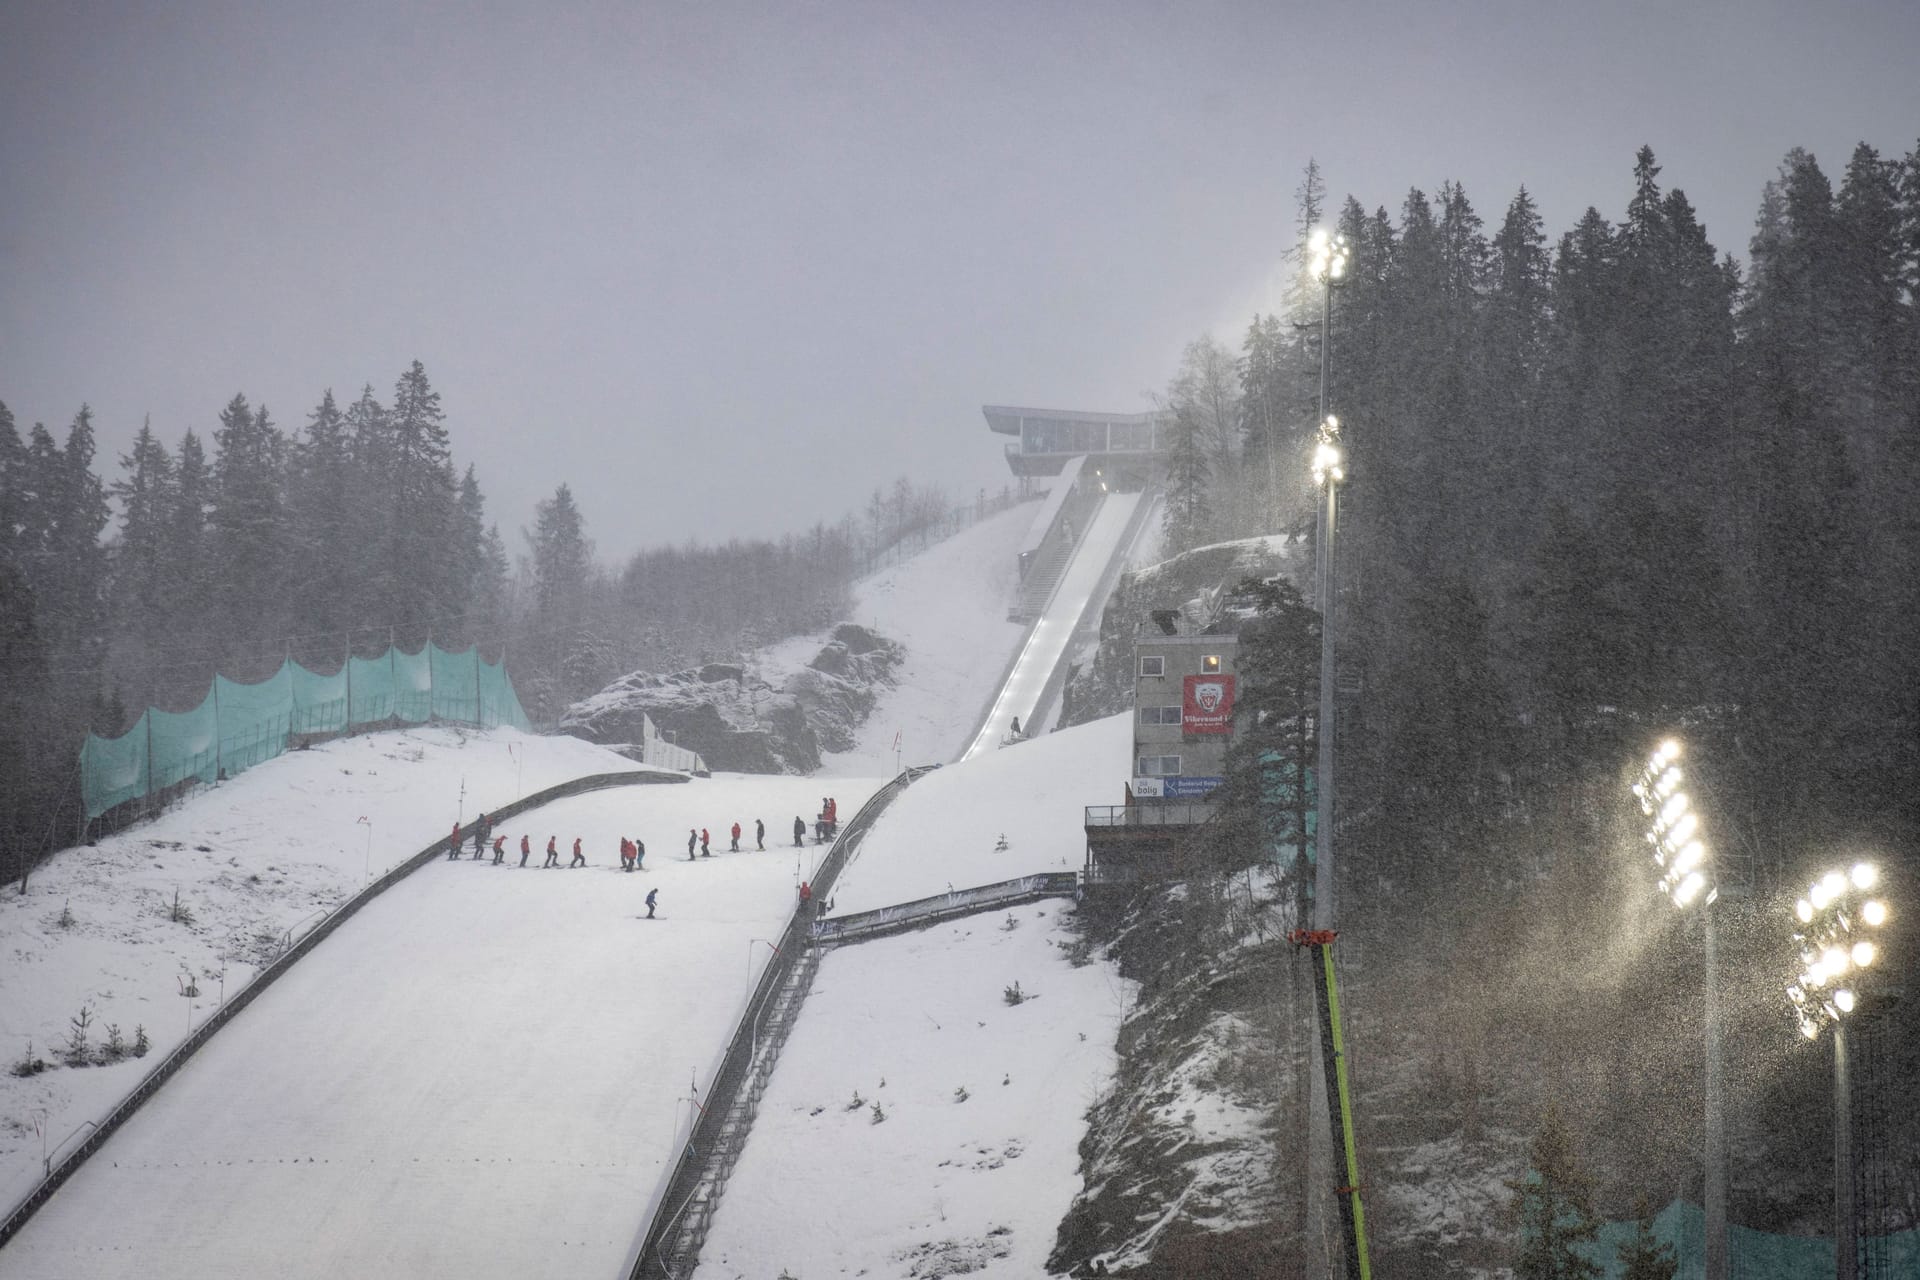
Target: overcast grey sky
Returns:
[725, 267]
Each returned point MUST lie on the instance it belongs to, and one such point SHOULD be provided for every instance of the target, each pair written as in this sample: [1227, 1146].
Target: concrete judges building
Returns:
[1129, 448]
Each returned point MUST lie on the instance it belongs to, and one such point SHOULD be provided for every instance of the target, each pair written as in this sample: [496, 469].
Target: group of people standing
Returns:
[697, 836]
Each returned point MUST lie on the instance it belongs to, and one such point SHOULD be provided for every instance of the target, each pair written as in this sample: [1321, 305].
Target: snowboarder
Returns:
[704, 851]
[693, 838]
[760, 833]
[640, 853]
[453, 843]
[499, 850]
[736, 838]
[799, 831]
[653, 897]
[553, 853]
[579, 858]
[526, 847]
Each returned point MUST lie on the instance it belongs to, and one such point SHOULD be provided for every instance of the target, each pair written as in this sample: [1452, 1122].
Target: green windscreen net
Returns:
[1753, 1255]
[239, 725]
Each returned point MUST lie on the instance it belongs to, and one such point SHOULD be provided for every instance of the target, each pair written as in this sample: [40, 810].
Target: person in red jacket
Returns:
[526, 847]
[579, 858]
[499, 850]
[736, 837]
[704, 851]
[553, 853]
[626, 854]
[453, 843]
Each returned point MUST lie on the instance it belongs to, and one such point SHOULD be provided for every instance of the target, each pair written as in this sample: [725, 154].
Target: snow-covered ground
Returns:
[484, 1072]
[976, 1160]
[948, 605]
[267, 852]
[481, 1074]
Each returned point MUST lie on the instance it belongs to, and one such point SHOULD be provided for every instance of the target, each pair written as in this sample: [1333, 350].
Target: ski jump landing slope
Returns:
[482, 1074]
[1047, 641]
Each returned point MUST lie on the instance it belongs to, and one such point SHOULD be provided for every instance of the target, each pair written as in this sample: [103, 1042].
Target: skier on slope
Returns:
[499, 850]
[479, 836]
[760, 833]
[579, 858]
[626, 854]
[736, 837]
[553, 853]
[704, 851]
[526, 847]
[453, 843]
[653, 896]
[639, 853]
[693, 838]
[799, 831]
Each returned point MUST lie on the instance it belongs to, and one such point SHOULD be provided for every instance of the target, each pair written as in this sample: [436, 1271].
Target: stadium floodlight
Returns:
[1327, 255]
[1329, 459]
[1829, 924]
[1684, 860]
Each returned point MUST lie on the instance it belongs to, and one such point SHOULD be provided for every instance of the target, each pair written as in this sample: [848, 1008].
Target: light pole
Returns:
[1329, 265]
[1687, 876]
[1836, 925]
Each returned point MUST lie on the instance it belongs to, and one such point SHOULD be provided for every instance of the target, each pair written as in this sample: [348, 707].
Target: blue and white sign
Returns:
[1173, 788]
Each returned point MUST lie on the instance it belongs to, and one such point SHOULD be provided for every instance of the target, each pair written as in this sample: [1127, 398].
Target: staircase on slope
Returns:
[731, 1137]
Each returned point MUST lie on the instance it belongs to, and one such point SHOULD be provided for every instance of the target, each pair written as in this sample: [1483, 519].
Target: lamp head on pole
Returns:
[1329, 458]
[1673, 830]
[1836, 926]
[1327, 255]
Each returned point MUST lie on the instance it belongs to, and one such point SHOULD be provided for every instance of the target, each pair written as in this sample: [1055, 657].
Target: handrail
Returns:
[954, 902]
[164, 1070]
[681, 1183]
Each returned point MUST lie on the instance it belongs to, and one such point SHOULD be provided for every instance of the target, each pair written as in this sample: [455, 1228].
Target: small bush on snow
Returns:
[1014, 995]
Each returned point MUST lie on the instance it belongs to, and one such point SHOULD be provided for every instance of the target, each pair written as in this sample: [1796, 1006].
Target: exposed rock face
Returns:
[740, 721]
[1104, 686]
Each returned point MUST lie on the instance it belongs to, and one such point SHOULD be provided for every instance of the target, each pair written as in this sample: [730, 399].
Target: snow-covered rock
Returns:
[736, 715]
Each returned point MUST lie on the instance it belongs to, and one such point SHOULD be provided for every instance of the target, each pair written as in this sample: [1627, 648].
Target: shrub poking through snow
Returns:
[857, 1103]
[1014, 995]
[77, 1028]
[960, 1094]
[140, 1043]
[28, 1064]
[66, 914]
[879, 1115]
[178, 913]
[116, 1046]
[1010, 925]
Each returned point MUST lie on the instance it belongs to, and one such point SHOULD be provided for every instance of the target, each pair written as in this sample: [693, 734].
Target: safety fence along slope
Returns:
[709, 1143]
[164, 1070]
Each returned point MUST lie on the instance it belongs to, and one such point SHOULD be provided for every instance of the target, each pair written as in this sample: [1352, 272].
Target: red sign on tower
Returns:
[1207, 705]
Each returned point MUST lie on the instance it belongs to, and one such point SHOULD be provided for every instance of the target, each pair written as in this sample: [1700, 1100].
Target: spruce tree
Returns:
[1644, 1257]
[1553, 1207]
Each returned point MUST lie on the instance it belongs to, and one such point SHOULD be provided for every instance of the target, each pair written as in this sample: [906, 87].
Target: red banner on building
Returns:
[1207, 705]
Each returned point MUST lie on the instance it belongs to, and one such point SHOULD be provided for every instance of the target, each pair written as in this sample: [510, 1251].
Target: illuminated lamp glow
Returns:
[1675, 806]
[1804, 910]
[1843, 1000]
[1864, 875]
[1834, 883]
[1809, 1028]
[1863, 954]
[1689, 858]
[1874, 912]
[1819, 896]
[1689, 889]
[1835, 960]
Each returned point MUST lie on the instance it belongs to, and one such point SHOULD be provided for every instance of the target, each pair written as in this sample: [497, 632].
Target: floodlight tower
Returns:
[1836, 926]
[1687, 876]
[1329, 267]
